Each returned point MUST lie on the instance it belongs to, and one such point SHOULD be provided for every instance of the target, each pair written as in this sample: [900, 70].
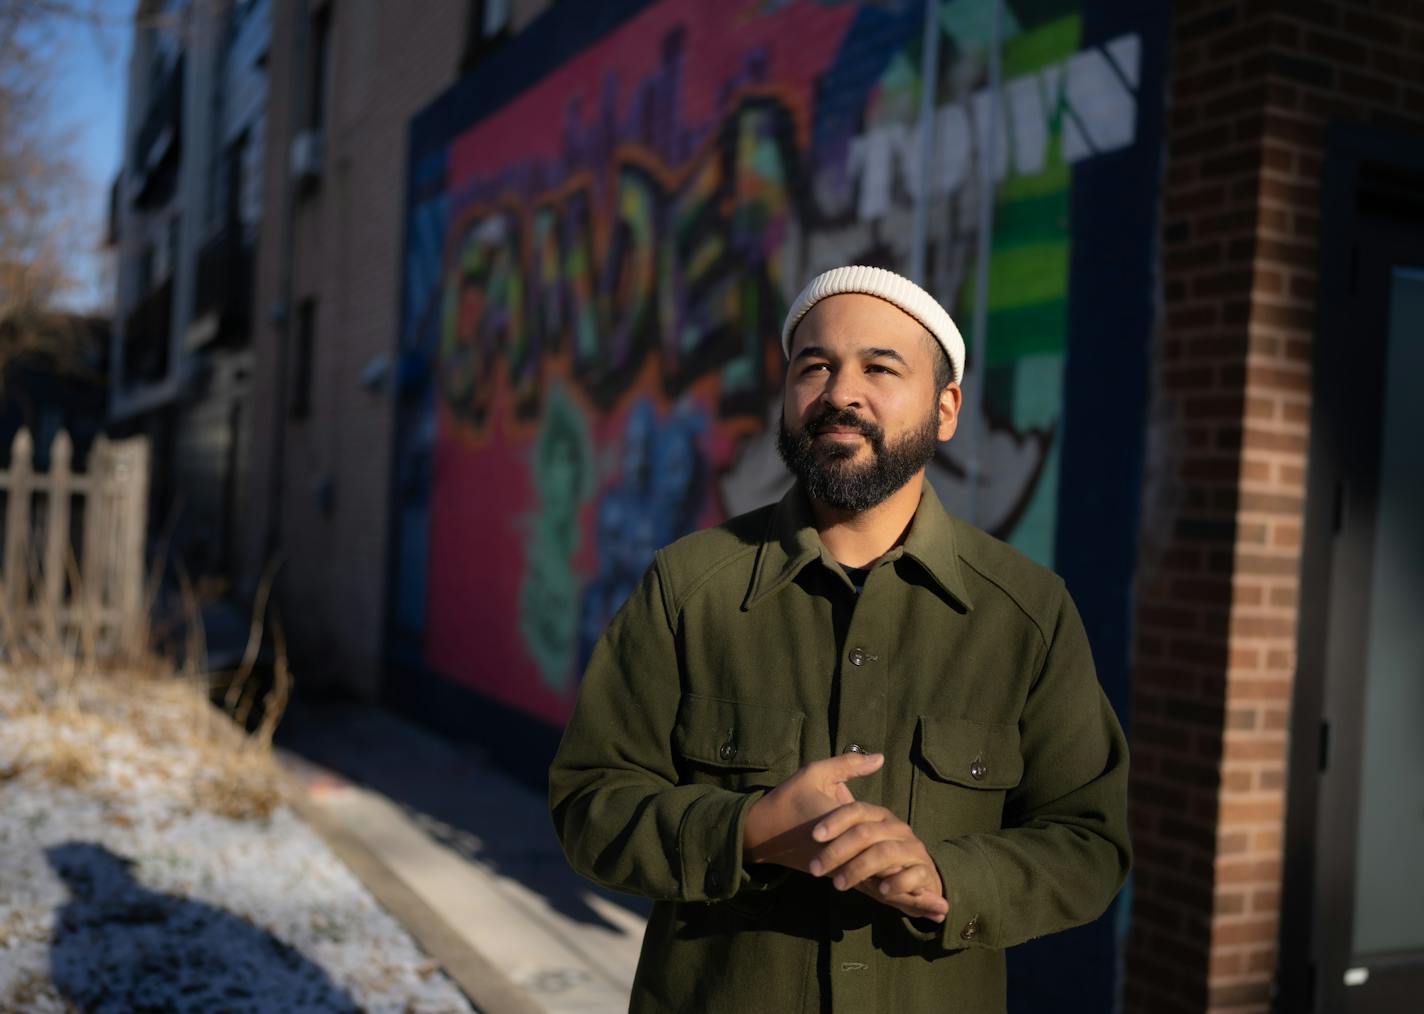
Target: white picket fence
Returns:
[74, 585]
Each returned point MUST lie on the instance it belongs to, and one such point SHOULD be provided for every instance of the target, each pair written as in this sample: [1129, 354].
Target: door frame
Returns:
[1364, 166]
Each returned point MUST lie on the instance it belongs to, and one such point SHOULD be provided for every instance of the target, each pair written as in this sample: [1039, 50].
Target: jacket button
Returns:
[854, 748]
[858, 656]
[727, 752]
[977, 769]
[971, 928]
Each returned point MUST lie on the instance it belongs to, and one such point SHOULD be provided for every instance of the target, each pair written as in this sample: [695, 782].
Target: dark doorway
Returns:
[1353, 910]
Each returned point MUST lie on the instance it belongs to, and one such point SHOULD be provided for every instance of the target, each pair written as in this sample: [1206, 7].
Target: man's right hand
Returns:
[778, 826]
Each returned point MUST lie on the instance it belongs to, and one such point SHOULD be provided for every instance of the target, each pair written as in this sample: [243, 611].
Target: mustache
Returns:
[845, 418]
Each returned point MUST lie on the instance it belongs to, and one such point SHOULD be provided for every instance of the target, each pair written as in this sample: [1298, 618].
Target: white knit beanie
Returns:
[890, 287]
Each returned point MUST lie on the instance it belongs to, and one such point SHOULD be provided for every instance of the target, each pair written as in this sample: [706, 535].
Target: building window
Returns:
[147, 269]
[319, 68]
[234, 178]
[486, 25]
[304, 353]
[161, 253]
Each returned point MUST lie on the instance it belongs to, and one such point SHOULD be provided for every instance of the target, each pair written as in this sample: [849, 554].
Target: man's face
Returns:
[860, 415]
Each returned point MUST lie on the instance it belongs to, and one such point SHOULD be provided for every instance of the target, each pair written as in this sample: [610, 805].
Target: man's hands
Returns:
[870, 849]
[812, 823]
[778, 827]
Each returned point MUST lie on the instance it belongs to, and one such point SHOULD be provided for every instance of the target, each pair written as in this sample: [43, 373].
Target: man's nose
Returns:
[842, 389]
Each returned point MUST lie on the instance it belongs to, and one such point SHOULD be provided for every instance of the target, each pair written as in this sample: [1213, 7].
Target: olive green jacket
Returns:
[745, 653]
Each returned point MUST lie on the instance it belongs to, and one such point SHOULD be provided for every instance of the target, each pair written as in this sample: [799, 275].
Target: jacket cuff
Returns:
[710, 845]
[764, 876]
[973, 896]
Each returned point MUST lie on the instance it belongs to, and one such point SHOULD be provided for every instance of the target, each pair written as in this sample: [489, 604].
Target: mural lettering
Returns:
[1089, 96]
[680, 270]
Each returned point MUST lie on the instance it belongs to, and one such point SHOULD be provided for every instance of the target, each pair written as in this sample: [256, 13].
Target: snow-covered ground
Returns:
[123, 886]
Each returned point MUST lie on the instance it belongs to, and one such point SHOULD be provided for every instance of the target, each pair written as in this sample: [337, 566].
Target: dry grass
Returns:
[67, 763]
[74, 713]
[36, 989]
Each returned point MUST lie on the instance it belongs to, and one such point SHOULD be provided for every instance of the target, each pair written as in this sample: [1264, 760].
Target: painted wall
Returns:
[601, 248]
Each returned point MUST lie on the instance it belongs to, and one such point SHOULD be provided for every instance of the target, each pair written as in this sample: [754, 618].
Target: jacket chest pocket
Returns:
[735, 745]
[963, 771]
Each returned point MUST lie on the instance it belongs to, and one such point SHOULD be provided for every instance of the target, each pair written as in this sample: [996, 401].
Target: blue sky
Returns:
[90, 77]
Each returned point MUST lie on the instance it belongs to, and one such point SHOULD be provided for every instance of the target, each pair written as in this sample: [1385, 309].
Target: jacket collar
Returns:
[791, 542]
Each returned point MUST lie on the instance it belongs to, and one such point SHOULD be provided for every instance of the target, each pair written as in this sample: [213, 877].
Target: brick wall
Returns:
[1252, 89]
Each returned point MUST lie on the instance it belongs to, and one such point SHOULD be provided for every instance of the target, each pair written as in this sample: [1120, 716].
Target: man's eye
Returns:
[877, 368]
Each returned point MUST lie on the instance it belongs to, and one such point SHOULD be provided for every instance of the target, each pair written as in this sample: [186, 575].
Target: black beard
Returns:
[828, 475]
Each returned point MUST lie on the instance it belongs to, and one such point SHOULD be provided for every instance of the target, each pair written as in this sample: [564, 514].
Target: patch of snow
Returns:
[119, 892]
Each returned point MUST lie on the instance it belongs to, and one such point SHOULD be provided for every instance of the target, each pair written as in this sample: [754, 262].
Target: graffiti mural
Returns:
[598, 262]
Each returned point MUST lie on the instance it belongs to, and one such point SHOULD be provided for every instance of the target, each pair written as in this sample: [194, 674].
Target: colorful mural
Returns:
[598, 263]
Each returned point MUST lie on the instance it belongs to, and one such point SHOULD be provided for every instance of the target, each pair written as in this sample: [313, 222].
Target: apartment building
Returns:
[188, 205]
[347, 79]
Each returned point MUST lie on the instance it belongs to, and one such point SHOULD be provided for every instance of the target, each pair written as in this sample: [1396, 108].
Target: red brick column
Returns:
[1252, 88]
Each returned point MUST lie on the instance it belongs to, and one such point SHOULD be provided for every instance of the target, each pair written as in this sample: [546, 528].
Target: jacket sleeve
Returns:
[620, 814]
[1063, 852]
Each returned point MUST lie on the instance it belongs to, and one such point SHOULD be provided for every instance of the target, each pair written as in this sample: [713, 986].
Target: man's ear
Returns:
[950, 400]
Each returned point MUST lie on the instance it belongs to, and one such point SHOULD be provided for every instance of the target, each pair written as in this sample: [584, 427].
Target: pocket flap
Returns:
[730, 734]
[980, 755]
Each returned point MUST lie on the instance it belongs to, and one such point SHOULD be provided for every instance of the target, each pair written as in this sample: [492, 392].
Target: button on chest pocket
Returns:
[963, 771]
[736, 745]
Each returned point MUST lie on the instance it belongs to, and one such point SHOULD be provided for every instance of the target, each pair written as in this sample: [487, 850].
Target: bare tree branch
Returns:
[41, 228]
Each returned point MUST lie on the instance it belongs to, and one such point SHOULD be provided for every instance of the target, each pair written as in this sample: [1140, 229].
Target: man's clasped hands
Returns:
[812, 823]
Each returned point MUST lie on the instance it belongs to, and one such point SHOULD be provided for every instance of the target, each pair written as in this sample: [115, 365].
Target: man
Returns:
[852, 746]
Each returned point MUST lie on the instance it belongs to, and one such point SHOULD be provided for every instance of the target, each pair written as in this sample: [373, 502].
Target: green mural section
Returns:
[563, 470]
[1021, 363]
[1028, 273]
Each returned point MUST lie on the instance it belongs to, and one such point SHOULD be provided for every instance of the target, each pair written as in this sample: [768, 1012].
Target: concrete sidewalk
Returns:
[466, 858]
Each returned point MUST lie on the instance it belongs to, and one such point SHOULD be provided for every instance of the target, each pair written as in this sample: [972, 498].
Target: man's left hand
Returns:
[868, 848]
